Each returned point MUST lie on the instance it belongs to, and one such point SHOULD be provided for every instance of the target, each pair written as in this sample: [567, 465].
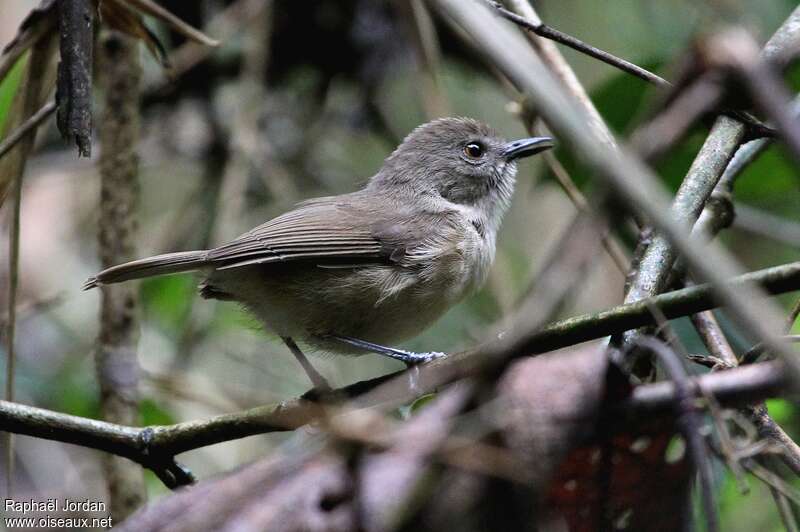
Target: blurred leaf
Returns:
[771, 182]
[151, 413]
[169, 299]
[780, 410]
[72, 389]
[8, 89]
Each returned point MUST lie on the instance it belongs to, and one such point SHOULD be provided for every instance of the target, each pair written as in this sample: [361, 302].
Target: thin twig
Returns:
[26, 127]
[154, 447]
[561, 68]
[542, 30]
[759, 349]
[553, 58]
[632, 182]
[767, 428]
[577, 198]
[784, 510]
[706, 93]
[39, 22]
[153, 9]
[772, 480]
[713, 338]
[426, 48]
[767, 225]
[31, 98]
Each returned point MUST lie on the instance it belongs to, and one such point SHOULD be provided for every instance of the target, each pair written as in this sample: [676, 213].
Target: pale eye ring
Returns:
[473, 150]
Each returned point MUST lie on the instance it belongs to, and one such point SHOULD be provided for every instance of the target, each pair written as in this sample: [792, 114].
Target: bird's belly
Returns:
[380, 304]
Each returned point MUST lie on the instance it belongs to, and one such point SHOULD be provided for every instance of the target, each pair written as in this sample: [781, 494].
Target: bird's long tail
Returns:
[184, 261]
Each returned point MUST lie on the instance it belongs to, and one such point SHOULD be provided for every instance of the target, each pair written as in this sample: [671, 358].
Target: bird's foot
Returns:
[410, 358]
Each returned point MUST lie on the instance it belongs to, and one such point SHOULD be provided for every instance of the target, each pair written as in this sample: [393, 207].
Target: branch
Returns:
[31, 98]
[633, 183]
[115, 355]
[26, 127]
[74, 85]
[736, 49]
[153, 447]
[552, 57]
[706, 93]
[156, 11]
[542, 30]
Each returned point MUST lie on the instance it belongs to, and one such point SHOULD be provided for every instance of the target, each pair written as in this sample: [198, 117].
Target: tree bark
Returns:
[117, 364]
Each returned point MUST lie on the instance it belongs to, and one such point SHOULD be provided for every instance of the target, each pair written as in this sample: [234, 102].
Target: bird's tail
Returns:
[184, 261]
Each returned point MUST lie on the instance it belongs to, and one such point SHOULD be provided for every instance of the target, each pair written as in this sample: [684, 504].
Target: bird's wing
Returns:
[328, 232]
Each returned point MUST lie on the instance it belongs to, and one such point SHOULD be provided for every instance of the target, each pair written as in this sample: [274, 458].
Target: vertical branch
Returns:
[74, 92]
[117, 366]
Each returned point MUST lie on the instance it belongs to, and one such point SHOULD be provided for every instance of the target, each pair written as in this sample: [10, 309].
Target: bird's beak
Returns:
[526, 147]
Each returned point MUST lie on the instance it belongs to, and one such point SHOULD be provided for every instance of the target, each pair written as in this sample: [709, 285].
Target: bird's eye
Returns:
[473, 150]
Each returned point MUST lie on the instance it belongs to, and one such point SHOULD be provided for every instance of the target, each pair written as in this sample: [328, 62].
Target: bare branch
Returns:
[713, 338]
[74, 91]
[631, 181]
[115, 356]
[153, 446]
[153, 9]
[31, 97]
[542, 30]
[26, 127]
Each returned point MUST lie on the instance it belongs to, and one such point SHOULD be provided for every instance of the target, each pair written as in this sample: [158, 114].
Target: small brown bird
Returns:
[361, 271]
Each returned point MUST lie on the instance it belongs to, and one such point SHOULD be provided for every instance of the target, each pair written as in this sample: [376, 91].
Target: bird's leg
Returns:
[409, 357]
[319, 382]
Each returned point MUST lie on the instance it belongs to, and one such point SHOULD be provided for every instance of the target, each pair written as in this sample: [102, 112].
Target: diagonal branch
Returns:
[26, 127]
[155, 447]
[633, 183]
[543, 30]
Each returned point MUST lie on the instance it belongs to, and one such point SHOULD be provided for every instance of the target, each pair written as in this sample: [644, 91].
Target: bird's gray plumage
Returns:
[379, 264]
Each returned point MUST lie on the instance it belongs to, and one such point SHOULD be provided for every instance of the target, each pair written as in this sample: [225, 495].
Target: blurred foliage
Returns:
[321, 119]
[168, 300]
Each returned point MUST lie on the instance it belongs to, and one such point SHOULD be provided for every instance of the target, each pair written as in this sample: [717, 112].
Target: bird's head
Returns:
[460, 159]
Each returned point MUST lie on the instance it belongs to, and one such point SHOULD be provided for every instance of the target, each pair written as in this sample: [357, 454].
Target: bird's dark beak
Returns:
[526, 147]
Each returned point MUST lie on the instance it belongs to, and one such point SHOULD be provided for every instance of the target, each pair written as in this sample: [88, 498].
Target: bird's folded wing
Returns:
[326, 231]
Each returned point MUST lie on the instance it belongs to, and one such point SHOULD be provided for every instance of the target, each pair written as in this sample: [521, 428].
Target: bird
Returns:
[362, 271]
